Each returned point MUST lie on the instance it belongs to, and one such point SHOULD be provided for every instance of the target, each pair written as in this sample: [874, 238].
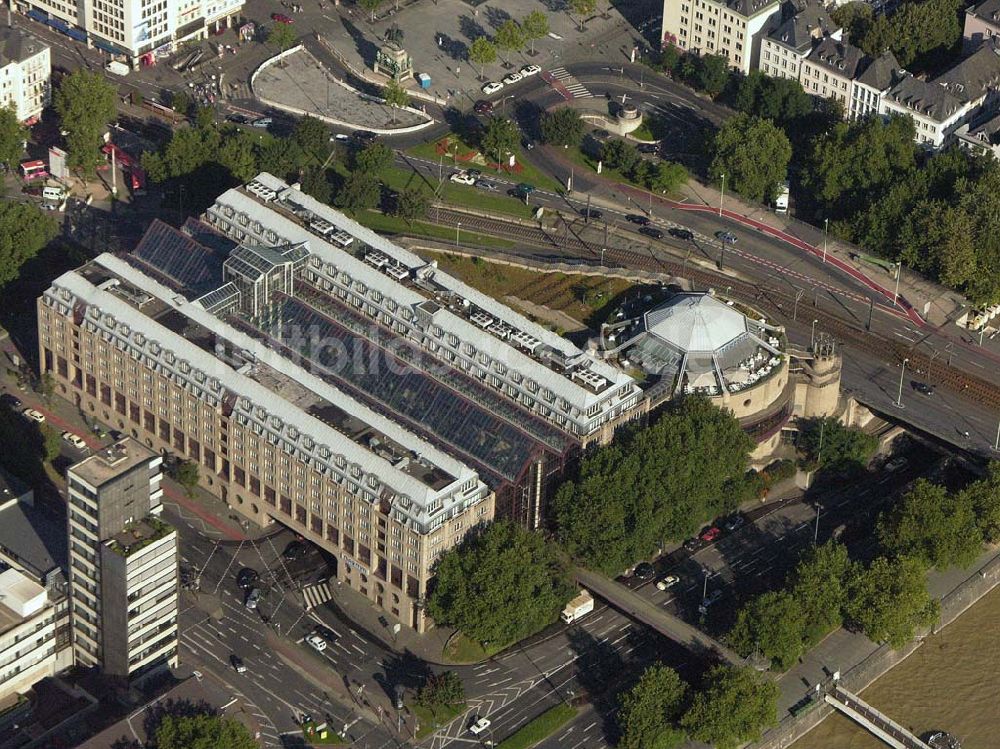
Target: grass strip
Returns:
[540, 728]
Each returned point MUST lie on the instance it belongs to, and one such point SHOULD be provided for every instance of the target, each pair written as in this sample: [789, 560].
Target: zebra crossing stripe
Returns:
[316, 595]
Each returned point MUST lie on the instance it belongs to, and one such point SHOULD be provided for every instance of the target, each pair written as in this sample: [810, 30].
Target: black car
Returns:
[601, 134]
[247, 578]
[682, 233]
[295, 550]
[590, 213]
[11, 401]
[920, 387]
[326, 633]
[637, 218]
[238, 664]
[483, 107]
[644, 571]
[239, 119]
[364, 136]
[734, 523]
[527, 144]
[692, 544]
[648, 148]
[651, 231]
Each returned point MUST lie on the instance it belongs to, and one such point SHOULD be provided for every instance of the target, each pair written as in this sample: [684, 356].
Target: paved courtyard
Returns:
[301, 83]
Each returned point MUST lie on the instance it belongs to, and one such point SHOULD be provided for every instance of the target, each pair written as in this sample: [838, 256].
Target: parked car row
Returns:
[510, 79]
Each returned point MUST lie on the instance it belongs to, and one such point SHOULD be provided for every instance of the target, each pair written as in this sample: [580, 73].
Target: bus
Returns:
[32, 170]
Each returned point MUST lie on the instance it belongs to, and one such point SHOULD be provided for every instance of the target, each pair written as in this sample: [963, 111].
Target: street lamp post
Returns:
[812, 337]
[603, 250]
[723, 193]
[895, 295]
[458, 226]
[816, 530]
[704, 587]
[899, 396]
[996, 445]
[826, 232]
[795, 308]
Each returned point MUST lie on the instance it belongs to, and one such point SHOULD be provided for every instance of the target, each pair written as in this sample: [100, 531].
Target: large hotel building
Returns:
[329, 380]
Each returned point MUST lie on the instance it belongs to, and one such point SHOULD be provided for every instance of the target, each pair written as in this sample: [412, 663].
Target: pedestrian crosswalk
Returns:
[316, 595]
[569, 86]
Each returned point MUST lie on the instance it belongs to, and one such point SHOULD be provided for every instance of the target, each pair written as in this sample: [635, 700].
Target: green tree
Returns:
[85, 103]
[854, 18]
[984, 497]
[186, 473]
[582, 8]
[889, 601]
[499, 138]
[819, 583]
[202, 732]
[733, 707]
[754, 156]
[914, 31]
[316, 182]
[510, 36]
[617, 154]
[781, 100]
[24, 230]
[712, 74]
[652, 485]
[282, 36]
[360, 191]
[501, 584]
[370, 5]
[650, 710]
[51, 443]
[373, 159]
[313, 137]
[180, 102]
[667, 177]
[535, 26]
[834, 448]
[237, 154]
[441, 691]
[929, 524]
[774, 623]
[395, 97]
[411, 204]
[13, 136]
[562, 127]
[482, 53]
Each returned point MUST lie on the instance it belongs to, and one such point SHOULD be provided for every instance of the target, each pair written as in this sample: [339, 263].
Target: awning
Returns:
[58, 24]
[108, 47]
[38, 15]
[78, 34]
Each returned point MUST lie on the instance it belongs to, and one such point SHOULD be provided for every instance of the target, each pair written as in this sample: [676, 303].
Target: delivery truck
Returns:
[118, 68]
[580, 606]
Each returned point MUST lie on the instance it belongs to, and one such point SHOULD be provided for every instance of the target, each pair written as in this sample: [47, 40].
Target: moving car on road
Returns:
[923, 387]
[238, 664]
[491, 88]
[651, 231]
[590, 213]
[462, 178]
[316, 642]
[483, 184]
[726, 236]
[32, 415]
[479, 726]
[682, 233]
[295, 550]
[637, 218]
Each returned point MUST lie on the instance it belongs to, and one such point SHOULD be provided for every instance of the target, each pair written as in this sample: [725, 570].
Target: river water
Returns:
[950, 683]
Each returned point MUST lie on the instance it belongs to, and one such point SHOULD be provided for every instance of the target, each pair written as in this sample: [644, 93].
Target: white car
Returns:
[75, 440]
[668, 582]
[530, 70]
[316, 642]
[479, 726]
[462, 178]
[32, 415]
[491, 88]
[511, 78]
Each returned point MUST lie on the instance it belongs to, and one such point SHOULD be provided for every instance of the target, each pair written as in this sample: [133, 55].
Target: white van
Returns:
[781, 202]
[55, 194]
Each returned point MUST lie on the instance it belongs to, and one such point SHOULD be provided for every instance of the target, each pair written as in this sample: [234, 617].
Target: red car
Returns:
[280, 18]
[483, 107]
[710, 534]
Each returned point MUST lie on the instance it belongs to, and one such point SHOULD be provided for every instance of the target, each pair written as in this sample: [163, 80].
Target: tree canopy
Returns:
[929, 524]
[819, 584]
[373, 159]
[734, 706]
[654, 484]
[499, 138]
[649, 711]
[482, 52]
[13, 136]
[361, 191]
[313, 136]
[753, 154]
[535, 26]
[889, 601]
[833, 448]
[202, 732]
[781, 100]
[510, 36]
[85, 103]
[774, 623]
[501, 584]
[913, 32]
[711, 74]
[984, 497]
[282, 36]
[396, 97]
[24, 230]
[411, 203]
[441, 691]
[562, 127]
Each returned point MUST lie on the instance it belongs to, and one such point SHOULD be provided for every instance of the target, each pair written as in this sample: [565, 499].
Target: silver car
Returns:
[253, 599]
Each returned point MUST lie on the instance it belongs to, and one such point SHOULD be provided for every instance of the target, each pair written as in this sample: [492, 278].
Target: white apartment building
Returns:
[830, 69]
[28, 651]
[706, 27]
[871, 86]
[25, 73]
[791, 36]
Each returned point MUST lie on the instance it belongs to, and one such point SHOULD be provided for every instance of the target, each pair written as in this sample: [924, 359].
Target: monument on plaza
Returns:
[394, 61]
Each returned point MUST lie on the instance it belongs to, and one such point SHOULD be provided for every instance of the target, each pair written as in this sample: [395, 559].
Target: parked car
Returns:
[479, 726]
[692, 544]
[668, 582]
[247, 578]
[648, 148]
[262, 122]
[316, 642]
[522, 190]
[281, 18]
[651, 231]
[482, 107]
[253, 599]
[637, 218]
[643, 571]
[238, 664]
[590, 213]
[239, 119]
[736, 522]
[726, 236]
[512, 78]
[32, 415]
[530, 70]
[474, 173]
[527, 144]
[74, 440]
[462, 178]
[681, 233]
[340, 137]
[600, 133]
[295, 550]
[483, 184]
[708, 600]
[491, 88]
[710, 534]
[11, 401]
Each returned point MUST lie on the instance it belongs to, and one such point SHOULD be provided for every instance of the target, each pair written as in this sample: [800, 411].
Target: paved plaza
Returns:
[299, 83]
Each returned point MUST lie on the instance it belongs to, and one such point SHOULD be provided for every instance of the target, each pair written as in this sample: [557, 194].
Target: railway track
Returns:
[773, 301]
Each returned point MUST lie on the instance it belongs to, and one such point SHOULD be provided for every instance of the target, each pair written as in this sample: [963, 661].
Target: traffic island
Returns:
[535, 731]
